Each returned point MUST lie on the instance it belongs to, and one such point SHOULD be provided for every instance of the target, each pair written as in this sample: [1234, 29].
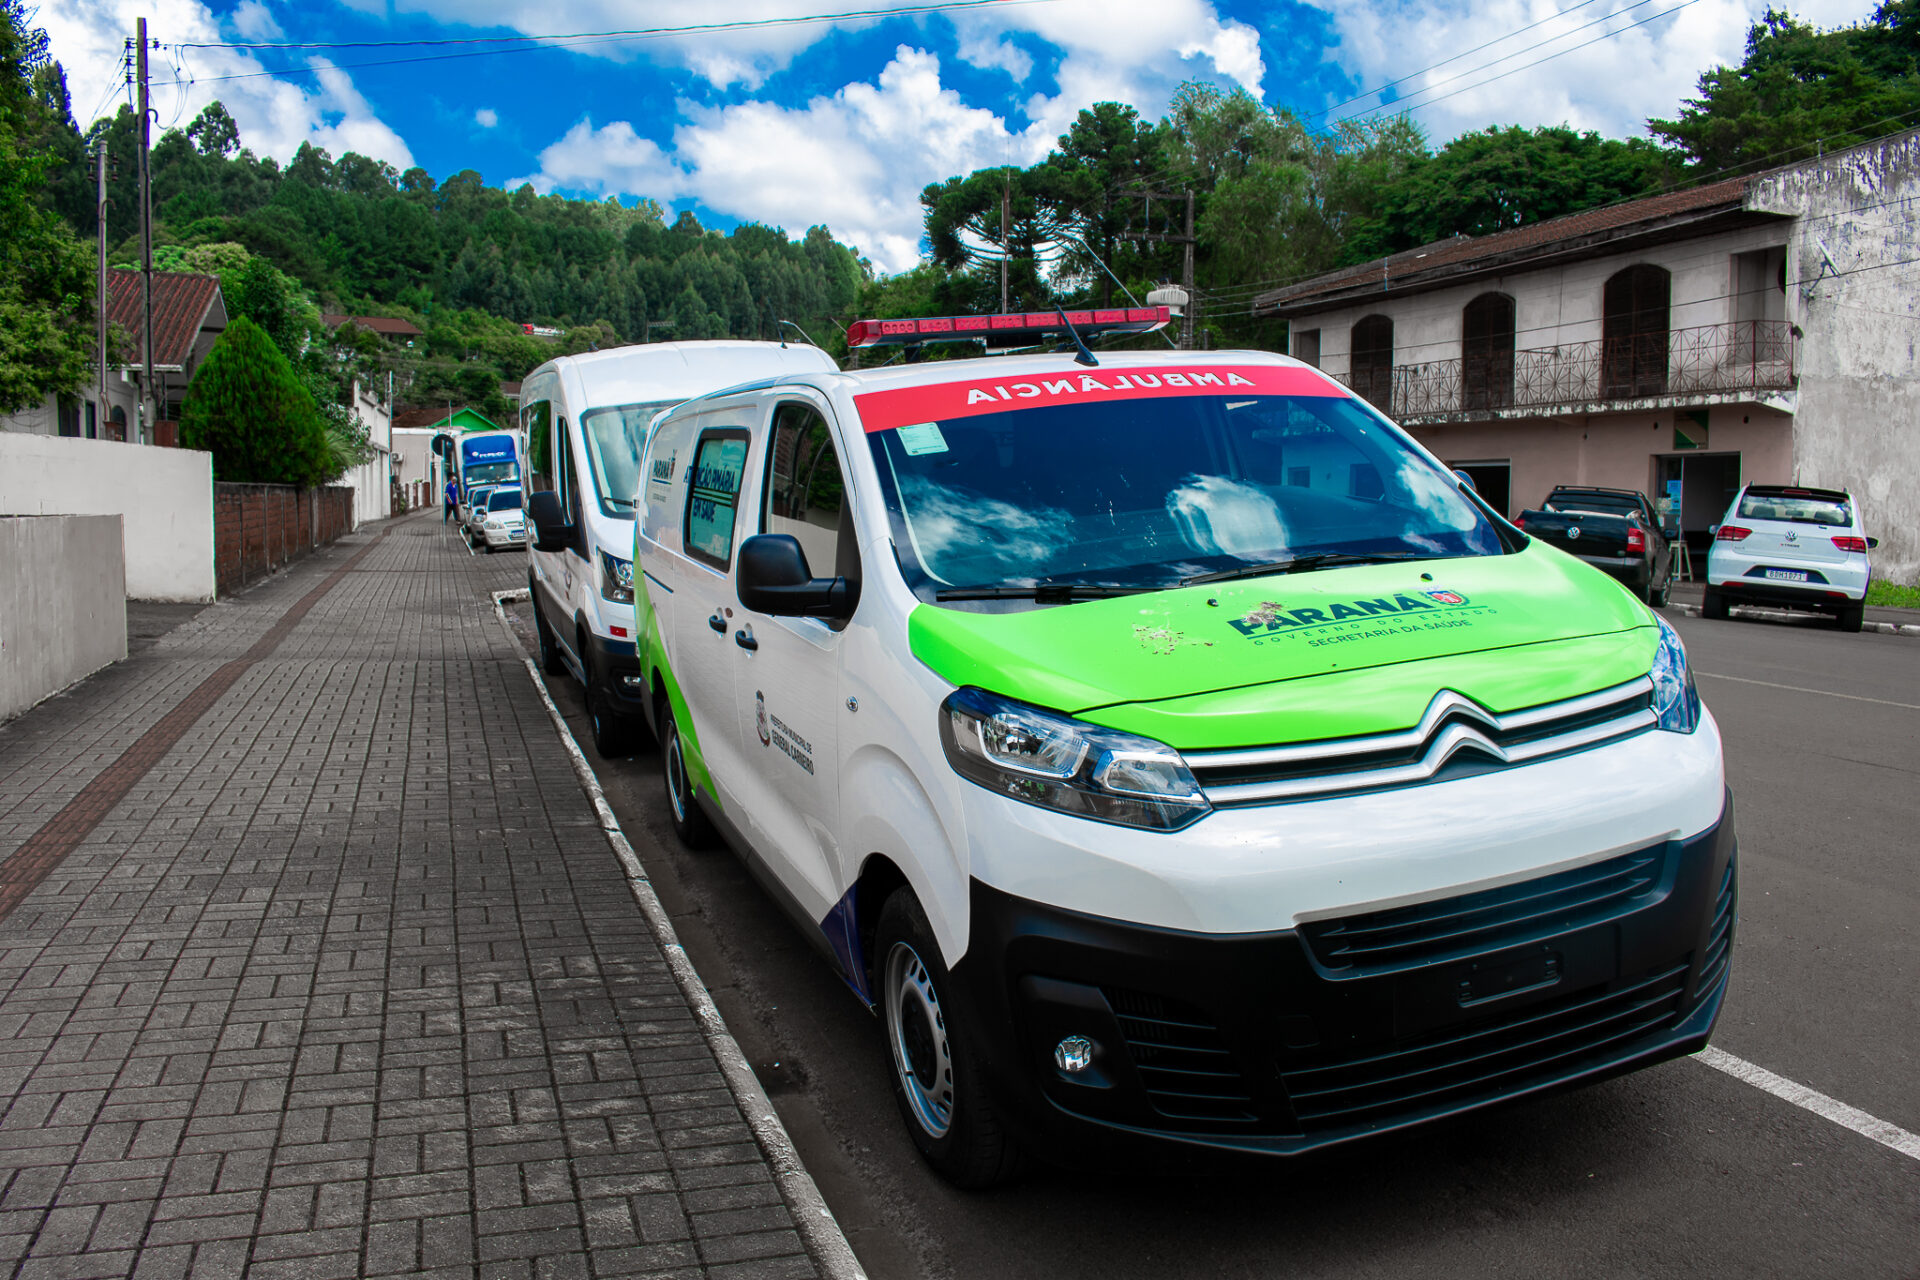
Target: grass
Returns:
[1893, 595]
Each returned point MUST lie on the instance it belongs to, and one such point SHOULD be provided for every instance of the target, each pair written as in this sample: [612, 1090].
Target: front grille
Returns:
[1713, 959]
[1451, 726]
[1185, 1065]
[1477, 923]
[1493, 1055]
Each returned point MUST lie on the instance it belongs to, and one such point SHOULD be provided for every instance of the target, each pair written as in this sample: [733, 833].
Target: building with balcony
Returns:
[1760, 329]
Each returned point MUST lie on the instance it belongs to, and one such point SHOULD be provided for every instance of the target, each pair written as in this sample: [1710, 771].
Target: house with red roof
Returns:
[189, 315]
[1760, 329]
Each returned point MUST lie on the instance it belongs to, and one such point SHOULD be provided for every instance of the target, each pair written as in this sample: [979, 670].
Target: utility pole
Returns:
[1006, 200]
[100, 398]
[1188, 240]
[147, 417]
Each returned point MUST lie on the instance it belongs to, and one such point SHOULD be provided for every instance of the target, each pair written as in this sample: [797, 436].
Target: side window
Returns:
[805, 491]
[537, 418]
[713, 498]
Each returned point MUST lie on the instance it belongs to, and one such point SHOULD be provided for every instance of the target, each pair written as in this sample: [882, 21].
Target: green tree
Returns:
[1799, 91]
[46, 307]
[250, 410]
[1499, 179]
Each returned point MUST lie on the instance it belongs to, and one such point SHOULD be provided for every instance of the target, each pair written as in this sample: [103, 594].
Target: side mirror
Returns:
[551, 529]
[1465, 479]
[1872, 543]
[1713, 531]
[772, 576]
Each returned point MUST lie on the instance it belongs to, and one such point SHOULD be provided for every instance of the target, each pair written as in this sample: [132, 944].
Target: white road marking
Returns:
[1826, 693]
[1887, 1135]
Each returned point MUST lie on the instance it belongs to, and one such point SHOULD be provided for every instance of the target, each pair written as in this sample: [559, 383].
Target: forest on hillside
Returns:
[1274, 199]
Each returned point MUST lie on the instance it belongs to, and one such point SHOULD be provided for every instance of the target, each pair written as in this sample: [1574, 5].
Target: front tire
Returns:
[937, 1079]
[690, 822]
[1713, 605]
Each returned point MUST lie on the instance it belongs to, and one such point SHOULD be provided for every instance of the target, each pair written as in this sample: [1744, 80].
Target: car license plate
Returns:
[1787, 575]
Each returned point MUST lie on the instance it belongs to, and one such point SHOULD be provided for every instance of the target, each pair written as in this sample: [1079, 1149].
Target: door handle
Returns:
[744, 638]
[718, 623]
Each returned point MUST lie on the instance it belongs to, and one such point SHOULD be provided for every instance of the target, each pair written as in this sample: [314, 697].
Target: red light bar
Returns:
[1018, 329]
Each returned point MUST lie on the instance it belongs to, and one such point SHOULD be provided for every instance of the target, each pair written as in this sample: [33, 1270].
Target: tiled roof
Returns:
[376, 324]
[1463, 252]
[181, 301]
[414, 419]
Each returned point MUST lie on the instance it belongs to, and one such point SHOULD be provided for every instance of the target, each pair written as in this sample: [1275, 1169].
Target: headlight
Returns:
[1056, 762]
[1676, 703]
[616, 579]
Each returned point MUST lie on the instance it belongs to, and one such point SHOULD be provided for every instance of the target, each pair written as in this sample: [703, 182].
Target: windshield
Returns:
[1148, 492]
[1800, 508]
[478, 473]
[1604, 503]
[504, 500]
[615, 438]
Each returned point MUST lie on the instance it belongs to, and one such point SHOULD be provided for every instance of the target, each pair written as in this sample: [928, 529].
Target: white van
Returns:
[1174, 753]
[586, 419]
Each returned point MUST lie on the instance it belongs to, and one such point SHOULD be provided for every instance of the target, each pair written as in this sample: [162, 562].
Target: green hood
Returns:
[1227, 664]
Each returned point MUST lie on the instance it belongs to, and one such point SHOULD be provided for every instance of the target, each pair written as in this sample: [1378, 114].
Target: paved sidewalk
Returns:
[318, 964]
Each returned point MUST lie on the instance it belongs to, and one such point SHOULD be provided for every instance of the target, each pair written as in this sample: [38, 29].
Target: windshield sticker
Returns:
[902, 407]
[922, 438]
[1346, 621]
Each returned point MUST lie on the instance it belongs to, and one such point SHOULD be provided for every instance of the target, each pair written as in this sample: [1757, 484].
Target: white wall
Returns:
[166, 496]
[1853, 272]
[1552, 307]
[63, 604]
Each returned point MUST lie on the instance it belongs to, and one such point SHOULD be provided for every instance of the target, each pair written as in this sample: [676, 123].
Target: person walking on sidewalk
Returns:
[453, 498]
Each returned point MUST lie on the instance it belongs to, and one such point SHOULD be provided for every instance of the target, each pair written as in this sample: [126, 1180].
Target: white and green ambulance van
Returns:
[1176, 756]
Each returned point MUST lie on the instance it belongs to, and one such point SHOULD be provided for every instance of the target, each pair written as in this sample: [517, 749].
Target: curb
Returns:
[1781, 615]
[818, 1229]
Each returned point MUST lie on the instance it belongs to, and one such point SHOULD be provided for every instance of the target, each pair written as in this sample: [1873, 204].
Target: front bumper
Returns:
[508, 536]
[1273, 1043]
[621, 677]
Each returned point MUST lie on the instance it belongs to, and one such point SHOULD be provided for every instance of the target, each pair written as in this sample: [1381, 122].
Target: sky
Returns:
[798, 114]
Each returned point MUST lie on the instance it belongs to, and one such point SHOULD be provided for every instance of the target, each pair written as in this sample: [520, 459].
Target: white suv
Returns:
[1792, 546]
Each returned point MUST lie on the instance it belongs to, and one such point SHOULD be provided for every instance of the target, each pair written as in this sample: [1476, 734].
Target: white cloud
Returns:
[1612, 85]
[854, 161]
[275, 116]
[486, 118]
[982, 49]
[254, 21]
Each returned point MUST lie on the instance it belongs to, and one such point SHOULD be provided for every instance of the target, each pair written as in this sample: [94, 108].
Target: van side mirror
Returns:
[1872, 543]
[1465, 479]
[772, 576]
[551, 529]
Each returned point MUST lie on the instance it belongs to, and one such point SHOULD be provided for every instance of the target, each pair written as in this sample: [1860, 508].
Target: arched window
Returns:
[1486, 352]
[1633, 332]
[1372, 362]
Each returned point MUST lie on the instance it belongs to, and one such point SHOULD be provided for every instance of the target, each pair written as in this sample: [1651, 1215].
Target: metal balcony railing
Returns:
[1746, 355]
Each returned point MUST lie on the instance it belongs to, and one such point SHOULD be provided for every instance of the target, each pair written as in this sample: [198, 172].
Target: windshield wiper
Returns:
[1042, 592]
[1301, 564]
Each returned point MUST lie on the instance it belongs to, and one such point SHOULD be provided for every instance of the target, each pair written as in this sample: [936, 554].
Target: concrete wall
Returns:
[1853, 271]
[165, 495]
[63, 604]
[1552, 307]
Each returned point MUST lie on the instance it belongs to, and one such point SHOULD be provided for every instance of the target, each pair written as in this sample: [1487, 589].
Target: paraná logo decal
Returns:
[1343, 621]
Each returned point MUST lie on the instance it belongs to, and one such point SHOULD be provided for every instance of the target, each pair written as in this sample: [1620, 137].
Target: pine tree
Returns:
[247, 407]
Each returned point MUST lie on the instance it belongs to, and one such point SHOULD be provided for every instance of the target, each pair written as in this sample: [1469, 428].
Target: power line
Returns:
[1358, 97]
[1408, 105]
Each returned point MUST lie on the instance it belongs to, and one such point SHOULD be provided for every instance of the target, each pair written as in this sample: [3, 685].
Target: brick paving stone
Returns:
[346, 982]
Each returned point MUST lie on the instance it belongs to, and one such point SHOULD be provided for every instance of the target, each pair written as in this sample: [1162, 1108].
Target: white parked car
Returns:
[1793, 546]
[503, 522]
[476, 502]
